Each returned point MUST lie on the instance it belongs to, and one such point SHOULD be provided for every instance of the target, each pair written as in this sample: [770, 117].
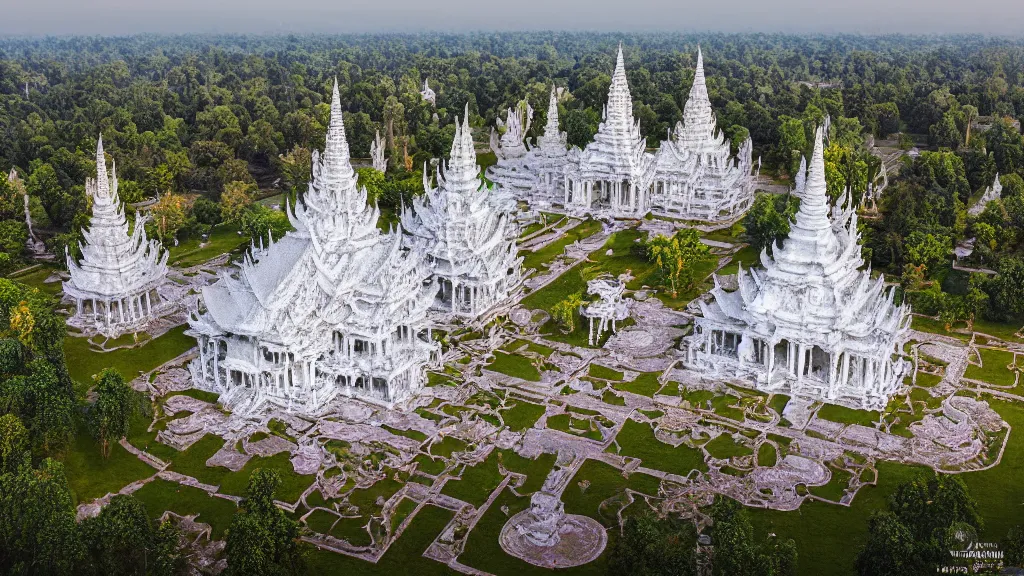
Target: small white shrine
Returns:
[467, 234]
[427, 93]
[377, 147]
[811, 323]
[335, 307]
[114, 284]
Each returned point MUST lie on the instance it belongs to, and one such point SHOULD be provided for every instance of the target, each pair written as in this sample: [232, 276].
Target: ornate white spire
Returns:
[115, 266]
[553, 142]
[380, 163]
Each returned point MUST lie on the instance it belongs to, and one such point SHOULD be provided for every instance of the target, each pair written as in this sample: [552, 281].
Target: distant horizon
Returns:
[44, 18]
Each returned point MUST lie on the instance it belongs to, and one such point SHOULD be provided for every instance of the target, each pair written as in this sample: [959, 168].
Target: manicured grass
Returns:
[90, 475]
[321, 521]
[999, 491]
[778, 403]
[993, 368]
[477, 482]
[223, 238]
[428, 465]
[570, 424]
[724, 447]
[413, 434]
[160, 495]
[828, 536]
[37, 279]
[598, 371]
[767, 455]
[402, 511]
[522, 416]
[192, 462]
[404, 556]
[203, 395]
[637, 440]
[645, 384]
[844, 415]
[536, 470]
[609, 397]
[928, 324]
[292, 484]
[605, 481]
[366, 498]
[1003, 331]
[483, 551]
[514, 365]
[548, 253]
[836, 486]
[447, 446]
[83, 362]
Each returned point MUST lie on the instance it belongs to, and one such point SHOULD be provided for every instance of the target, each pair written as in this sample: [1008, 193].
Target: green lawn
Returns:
[161, 495]
[598, 371]
[90, 475]
[637, 440]
[477, 482]
[828, 536]
[548, 253]
[292, 484]
[223, 239]
[844, 415]
[516, 345]
[405, 556]
[645, 384]
[836, 486]
[36, 278]
[514, 365]
[522, 416]
[724, 447]
[536, 470]
[606, 481]
[83, 361]
[767, 455]
[994, 368]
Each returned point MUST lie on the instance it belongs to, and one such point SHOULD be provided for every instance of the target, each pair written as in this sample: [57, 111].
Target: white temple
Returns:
[538, 175]
[811, 323]
[380, 163]
[613, 174]
[335, 307]
[467, 233]
[114, 284]
[993, 192]
[695, 178]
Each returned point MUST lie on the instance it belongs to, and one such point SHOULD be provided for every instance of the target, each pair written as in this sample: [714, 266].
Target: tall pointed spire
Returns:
[619, 111]
[814, 202]
[551, 127]
[337, 145]
[102, 180]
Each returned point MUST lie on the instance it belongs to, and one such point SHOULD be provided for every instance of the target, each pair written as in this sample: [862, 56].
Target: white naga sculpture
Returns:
[695, 177]
[993, 192]
[538, 175]
[467, 233]
[335, 307]
[811, 323]
[114, 284]
[606, 311]
[613, 174]
[428, 94]
[380, 163]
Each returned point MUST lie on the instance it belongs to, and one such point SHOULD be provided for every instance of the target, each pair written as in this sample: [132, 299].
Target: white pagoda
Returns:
[811, 323]
[469, 239]
[335, 307]
[538, 177]
[695, 178]
[114, 284]
[613, 174]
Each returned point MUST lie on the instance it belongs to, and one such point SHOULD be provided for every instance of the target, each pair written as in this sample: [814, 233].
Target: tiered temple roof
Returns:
[334, 307]
[811, 323]
[615, 170]
[538, 176]
[695, 176]
[114, 283]
[511, 173]
[468, 239]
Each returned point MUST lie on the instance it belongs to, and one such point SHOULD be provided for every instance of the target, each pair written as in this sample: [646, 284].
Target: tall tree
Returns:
[262, 539]
[111, 414]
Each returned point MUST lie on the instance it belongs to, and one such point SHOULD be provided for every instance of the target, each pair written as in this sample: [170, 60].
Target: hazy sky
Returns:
[119, 17]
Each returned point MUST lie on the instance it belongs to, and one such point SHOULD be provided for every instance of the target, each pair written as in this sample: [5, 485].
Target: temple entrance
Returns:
[819, 364]
[782, 355]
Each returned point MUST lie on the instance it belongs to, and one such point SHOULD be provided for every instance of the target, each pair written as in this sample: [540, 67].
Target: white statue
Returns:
[608, 310]
[380, 163]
